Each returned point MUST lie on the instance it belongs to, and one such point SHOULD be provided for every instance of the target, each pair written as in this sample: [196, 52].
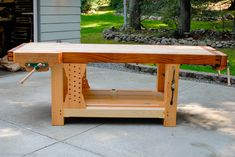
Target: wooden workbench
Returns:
[72, 96]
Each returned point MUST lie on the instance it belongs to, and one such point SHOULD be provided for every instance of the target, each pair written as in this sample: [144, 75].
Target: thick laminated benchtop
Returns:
[53, 53]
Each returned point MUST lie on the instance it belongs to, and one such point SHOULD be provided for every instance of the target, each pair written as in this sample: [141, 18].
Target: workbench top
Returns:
[118, 53]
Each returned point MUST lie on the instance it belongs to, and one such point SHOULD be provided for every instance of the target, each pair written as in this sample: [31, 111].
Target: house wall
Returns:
[58, 20]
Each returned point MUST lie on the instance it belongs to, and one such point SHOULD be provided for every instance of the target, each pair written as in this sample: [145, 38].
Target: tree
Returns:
[232, 7]
[169, 11]
[89, 5]
[233, 31]
[135, 14]
[185, 17]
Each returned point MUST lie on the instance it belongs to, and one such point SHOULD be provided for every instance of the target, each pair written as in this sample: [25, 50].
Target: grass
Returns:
[94, 24]
[214, 25]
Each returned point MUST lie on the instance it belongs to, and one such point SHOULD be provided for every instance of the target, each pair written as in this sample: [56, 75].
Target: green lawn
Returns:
[94, 24]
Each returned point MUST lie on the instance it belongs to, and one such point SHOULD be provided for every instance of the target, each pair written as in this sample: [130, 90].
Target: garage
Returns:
[16, 23]
[38, 20]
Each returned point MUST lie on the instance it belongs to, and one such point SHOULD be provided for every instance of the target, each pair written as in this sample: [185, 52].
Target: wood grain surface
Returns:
[115, 53]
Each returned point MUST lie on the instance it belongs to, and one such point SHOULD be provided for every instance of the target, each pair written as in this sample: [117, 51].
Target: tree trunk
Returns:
[233, 31]
[185, 17]
[232, 7]
[234, 24]
[135, 14]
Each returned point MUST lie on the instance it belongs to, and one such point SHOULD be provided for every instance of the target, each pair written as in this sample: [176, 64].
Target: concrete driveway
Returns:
[206, 121]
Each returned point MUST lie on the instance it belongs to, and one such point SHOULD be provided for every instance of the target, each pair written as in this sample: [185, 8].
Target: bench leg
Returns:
[160, 77]
[171, 94]
[85, 83]
[57, 89]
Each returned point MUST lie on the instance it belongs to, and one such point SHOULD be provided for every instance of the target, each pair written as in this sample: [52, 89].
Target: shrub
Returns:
[89, 5]
[103, 2]
[116, 4]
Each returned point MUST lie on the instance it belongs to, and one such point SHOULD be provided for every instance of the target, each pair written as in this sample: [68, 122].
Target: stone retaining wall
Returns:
[115, 34]
[203, 76]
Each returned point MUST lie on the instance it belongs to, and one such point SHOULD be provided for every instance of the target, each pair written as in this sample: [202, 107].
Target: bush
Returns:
[116, 4]
[151, 7]
[89, 5]
[170, 12]
[103, 2]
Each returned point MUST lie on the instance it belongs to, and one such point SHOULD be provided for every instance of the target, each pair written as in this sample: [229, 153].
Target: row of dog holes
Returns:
[74, 82]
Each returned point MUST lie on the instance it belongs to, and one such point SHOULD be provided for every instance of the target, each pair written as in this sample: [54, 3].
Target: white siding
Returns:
[59, 20]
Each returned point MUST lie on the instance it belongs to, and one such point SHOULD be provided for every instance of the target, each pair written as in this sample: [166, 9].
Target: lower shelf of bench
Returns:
[115, 112]
[120, 103]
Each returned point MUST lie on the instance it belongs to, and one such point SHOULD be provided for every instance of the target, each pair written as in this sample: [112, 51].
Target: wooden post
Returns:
[228, 74]
[171, 94]
[85, 83]
[57, 89]
[160, 77]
